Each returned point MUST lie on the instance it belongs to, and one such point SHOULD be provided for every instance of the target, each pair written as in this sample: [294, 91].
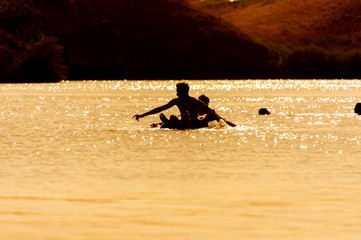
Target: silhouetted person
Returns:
[201, 116]
[189, 108]
[204, 99]
[263, 111]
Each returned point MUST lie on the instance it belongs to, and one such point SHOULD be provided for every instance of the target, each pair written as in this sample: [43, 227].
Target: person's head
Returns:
[204, 99]
[263, 111]
[182, 89]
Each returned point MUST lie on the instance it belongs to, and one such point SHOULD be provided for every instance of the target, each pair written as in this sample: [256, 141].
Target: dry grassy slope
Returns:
[331, 23]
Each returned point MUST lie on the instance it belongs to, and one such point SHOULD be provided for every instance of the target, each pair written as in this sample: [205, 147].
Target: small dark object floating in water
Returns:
[358, 108]
[263, 111]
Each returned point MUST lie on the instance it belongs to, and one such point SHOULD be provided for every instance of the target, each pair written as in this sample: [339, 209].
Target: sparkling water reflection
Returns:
[76, 166]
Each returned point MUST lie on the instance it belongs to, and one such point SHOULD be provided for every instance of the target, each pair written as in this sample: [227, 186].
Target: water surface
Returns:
[75, 165]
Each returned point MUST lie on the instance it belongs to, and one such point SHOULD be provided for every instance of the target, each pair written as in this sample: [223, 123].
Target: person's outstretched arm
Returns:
[155, 110]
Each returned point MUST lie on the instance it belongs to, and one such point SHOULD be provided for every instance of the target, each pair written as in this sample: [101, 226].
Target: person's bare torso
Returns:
[190, 105]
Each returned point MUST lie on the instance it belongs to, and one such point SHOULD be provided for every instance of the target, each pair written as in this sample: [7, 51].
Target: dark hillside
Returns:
[150, 39]
[317, 39]
[325, 23]
[27, 53]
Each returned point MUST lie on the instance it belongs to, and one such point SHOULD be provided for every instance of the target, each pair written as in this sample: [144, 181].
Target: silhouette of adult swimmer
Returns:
[189, 108]
[201, 116]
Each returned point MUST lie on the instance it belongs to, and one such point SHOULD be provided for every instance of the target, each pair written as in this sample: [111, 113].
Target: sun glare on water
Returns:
[74, 158]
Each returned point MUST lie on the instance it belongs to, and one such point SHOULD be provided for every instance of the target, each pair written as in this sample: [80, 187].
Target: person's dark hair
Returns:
[263, 111]
[204, 99]
[183, 88]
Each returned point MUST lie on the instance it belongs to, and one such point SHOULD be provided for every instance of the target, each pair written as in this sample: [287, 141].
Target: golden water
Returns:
[75, 165]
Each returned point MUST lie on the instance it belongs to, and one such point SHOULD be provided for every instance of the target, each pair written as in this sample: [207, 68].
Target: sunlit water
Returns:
[75, 165]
